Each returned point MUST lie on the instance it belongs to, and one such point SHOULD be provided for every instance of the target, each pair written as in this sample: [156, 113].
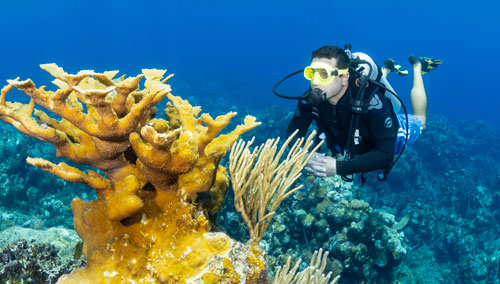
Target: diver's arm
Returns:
[301, 120]
[378, 158]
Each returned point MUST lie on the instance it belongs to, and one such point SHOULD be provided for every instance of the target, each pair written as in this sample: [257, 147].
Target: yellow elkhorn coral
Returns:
[142, 228]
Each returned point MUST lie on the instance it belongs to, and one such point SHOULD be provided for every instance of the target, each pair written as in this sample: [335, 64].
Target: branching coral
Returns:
[261, 181]
[313, 274]
[142, 226]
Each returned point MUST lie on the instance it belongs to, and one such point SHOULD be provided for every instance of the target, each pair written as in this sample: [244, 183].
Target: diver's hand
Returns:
[321, 166]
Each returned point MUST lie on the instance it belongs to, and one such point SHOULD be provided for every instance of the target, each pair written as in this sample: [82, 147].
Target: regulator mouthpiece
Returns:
[314, 97]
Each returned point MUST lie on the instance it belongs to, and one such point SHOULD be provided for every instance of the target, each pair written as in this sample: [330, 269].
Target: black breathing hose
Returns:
[283, 79]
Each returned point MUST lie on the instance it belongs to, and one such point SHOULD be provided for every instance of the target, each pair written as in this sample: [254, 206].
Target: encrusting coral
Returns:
[143, 227]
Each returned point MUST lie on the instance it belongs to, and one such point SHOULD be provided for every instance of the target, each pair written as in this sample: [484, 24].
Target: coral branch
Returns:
[261, 182]
[313, 274]
[72, 174]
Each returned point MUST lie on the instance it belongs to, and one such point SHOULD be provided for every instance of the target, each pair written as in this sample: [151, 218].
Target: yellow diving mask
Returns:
[322, 74]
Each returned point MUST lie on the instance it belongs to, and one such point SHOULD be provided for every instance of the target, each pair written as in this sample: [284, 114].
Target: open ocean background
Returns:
[441, 201]
[244, 47]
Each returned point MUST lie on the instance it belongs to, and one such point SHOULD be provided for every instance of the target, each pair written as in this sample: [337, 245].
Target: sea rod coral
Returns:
[143, 227]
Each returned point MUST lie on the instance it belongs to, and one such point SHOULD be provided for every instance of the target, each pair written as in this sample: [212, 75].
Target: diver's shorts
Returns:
[416, 128]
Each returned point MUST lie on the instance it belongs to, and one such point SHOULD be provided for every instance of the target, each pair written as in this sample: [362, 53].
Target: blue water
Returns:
[243, 48]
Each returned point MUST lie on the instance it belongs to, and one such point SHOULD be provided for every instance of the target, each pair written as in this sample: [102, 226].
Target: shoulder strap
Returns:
[359, 107]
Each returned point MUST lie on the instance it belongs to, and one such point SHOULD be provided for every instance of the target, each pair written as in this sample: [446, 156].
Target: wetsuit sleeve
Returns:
[382, 127]
[301, 120]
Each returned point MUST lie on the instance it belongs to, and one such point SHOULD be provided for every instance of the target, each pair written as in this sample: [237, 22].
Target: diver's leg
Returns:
[417, 96]
[388, 67]
[385, 72]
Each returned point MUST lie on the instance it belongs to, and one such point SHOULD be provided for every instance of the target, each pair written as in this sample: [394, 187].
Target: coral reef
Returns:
[30, 197]
[445, 188]
[35, 256]
[30, 263]
[365, 243]
[143, 225]
[452, 202]
[447, 184]
[64, 240]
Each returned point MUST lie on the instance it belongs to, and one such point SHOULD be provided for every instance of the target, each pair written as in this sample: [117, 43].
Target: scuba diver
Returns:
[357, 112]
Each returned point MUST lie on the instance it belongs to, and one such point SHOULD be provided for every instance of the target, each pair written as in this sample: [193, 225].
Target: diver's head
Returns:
[328, 72]
[332, 51]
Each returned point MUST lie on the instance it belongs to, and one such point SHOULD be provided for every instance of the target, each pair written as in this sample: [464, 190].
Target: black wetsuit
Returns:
[378, 129]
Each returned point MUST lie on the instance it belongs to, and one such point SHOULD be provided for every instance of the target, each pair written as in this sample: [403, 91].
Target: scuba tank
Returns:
[363, 63]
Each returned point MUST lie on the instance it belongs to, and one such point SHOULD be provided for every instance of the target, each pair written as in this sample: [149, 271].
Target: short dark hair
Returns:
[331, 51]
